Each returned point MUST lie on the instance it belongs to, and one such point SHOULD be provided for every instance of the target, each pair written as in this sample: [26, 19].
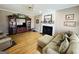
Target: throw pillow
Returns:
[66, 36]
[74, 37]
[64, 46]
[69, 33]
[73, 48]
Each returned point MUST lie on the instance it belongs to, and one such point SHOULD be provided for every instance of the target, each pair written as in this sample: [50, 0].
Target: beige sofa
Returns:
[62, 43]
[5, 41]
[44, 40]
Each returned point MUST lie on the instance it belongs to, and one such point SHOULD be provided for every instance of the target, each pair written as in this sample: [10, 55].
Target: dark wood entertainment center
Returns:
[18, 23]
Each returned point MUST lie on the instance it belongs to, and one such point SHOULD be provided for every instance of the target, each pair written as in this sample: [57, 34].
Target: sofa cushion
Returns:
[5, 39]
[74, 37]
[51, 45]
[64, 46]
[2, 36]
[51, 51]
[69, 33]
[73, 48]
[65, 35]
[58, 39]
[42, 41]
[5, 43]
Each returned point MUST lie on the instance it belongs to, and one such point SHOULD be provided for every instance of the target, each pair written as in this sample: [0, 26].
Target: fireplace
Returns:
[47, 30]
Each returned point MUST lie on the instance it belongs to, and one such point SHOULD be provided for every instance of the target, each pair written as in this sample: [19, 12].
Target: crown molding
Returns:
[14, 11]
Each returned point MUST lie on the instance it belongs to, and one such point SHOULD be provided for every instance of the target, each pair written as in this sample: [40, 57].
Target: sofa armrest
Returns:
[5, 43]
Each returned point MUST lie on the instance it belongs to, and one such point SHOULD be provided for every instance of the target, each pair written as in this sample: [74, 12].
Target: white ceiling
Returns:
[52, 6]
[36, 8]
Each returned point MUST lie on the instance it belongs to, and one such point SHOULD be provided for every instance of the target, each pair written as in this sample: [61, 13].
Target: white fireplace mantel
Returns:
[48, 25]
[51, 25]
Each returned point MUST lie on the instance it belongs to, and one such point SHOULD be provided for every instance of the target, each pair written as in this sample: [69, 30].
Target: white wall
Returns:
[60, 18]
[38, 26]
[4, 21]
[32, 21]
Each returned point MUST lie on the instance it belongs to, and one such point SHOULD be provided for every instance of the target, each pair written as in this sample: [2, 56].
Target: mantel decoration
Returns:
[69, 17]
[48, 19]
[37, 21]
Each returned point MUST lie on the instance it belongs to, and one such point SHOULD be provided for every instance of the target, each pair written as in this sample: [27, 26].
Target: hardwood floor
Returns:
[26, 43]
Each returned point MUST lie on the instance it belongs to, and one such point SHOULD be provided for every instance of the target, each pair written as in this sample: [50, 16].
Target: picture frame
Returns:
[69, 17]
[70, 23]
[48, 18]
[37, 21]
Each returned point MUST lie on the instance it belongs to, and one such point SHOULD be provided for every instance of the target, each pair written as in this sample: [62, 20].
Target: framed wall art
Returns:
[37, 21]
[69, 17]
[48, 18]
[70, 23]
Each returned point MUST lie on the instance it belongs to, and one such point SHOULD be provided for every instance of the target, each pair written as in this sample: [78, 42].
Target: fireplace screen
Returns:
[47, 30]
